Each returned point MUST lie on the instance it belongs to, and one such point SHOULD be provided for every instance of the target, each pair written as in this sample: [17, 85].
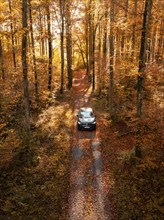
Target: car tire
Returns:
[79, 128]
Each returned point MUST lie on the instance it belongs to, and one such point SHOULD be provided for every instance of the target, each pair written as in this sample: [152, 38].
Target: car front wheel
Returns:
[79, 127]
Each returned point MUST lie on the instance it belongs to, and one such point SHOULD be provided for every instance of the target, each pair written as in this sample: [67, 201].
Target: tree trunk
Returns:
[33, 54]
[153, 43]
[69, 44]
[87, 40]
[142, 65]
[142, 57]
[104, 60]
[90, 38]
[80, 46]
[92, 42]
[160, 43]
[12, 37]
[111, 45]
[134, 30]
[49, 48]
[93, 55]
[42, 46]
[1, 61]
[124, 31]
[154, 35]
[24, 64]
[99, 81]
[62, 45]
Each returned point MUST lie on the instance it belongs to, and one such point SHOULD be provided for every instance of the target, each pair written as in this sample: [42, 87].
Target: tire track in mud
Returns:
[99, 190]
[77, 196]
[87, 193]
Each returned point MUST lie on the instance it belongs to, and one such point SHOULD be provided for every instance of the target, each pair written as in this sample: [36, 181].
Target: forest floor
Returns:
[94, 156]
[66, 174]
[107, 180]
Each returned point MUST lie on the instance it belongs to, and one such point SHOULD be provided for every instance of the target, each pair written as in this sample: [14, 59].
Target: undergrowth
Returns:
[34, 175]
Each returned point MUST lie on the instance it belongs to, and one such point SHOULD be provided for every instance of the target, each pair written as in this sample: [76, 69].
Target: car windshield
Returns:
[86, 114]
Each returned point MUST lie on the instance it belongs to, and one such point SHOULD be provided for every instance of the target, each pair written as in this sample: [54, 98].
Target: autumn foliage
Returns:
[102, 40]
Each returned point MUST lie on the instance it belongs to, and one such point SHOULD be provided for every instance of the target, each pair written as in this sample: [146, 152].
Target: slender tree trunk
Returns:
[90, 38]
[1, 61]
[33, 53]
[24, 64]
[93, 56]
[12, 37]
[45, 40]
[42, 43]
[49, 48]
[142, 57]
[153, 43]
[81, 51]
[154, 34]
[92, 42]
[99, 61]
[123, 34]
[87, 41]
[69, 44]
[87, 45]
[62, 45]
[104, 60]
[111, 45]
[160, 43]
[134, 30]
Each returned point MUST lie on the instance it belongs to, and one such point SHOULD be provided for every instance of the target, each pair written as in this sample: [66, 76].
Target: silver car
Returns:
[86, 119]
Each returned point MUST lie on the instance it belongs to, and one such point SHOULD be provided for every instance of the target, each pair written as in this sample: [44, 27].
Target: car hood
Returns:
[87, 120]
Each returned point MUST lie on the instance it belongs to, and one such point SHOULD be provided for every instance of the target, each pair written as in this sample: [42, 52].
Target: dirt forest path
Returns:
[88, 191]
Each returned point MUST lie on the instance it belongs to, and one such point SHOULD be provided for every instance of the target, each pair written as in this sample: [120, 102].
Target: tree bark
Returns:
[24, 64]
[93, 55]
[1, 61]
[80, 46]
[12, 37]
[87, 41]
[49, 47]
[111, 76]
[42, 41]
[142, 57]
[91, 38]
[134, 30]
[141, 70]
[33, 54]
[155, 34]
[123, 34]
[104, 60]
[69, 44]
[99, 76]
[62, 46]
